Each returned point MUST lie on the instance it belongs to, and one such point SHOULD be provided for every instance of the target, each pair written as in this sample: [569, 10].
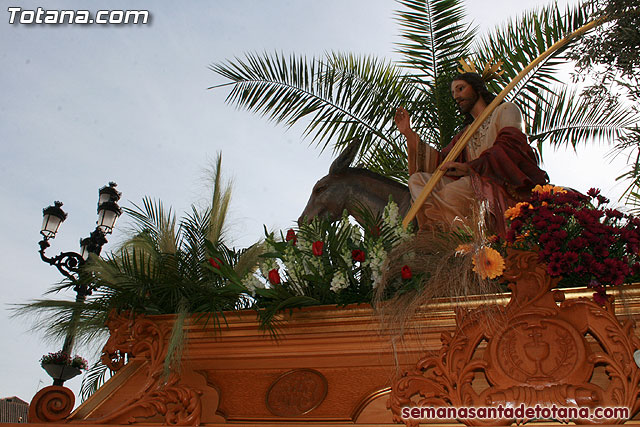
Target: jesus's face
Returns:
[464, 95]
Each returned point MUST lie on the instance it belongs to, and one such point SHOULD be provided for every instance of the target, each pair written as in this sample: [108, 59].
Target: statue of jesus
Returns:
[497, 165]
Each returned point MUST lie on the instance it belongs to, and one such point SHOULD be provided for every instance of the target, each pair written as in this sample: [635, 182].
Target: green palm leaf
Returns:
[522, 40]
[343, 96]
[436, 37]
[96, 376]
[565, 118]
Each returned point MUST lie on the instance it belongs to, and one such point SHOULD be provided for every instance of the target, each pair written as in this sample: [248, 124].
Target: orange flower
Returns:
[488, 263]
[548, 189]
[515, 211]
[522, 237]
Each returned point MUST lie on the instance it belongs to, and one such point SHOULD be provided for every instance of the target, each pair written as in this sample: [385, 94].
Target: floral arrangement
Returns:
[322, 262]
[342, 260]
[578, 237]
[61, 358]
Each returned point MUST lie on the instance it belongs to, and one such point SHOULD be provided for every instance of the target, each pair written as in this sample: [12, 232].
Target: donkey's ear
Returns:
[345, 158]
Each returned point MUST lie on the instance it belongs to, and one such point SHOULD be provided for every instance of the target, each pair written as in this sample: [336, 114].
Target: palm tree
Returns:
[162, 268]
[344, 96]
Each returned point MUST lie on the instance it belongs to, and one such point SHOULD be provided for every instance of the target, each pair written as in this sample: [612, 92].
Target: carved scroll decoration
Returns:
[140, 337]
[51, 404]
[537, 352]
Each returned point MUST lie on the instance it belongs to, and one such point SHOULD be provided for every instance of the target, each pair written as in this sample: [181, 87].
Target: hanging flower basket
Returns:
[61, 366]
[61, 372]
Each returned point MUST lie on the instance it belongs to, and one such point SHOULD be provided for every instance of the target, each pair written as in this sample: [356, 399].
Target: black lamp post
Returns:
[69, 263]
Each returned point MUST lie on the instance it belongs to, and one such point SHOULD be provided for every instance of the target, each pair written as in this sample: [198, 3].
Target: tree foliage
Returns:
[608, 60]
[342, 96]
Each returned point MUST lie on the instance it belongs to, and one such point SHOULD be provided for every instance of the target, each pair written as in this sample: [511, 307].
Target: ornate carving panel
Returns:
[537, 352]
[296, 392]
[160, 395]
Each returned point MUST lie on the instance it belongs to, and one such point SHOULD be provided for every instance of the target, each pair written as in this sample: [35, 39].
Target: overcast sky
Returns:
[84, 105]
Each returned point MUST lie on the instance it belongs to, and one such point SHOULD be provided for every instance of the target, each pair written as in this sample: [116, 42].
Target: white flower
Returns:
[251, 282]
[339, 282]
[303, 244]
[316, 262]
[377, 256]
[266, 265]
[390, 215]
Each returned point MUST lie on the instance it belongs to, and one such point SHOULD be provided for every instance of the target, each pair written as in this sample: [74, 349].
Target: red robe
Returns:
[504, 173]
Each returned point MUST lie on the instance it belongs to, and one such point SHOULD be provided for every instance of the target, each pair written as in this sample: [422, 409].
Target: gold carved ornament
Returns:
[539, 349]
[160, 395]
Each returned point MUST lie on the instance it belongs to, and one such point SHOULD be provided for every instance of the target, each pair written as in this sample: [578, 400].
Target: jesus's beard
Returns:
[465, 105]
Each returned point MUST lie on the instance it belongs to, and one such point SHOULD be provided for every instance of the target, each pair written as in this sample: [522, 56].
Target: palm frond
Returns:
[522, 40]
[152, 218]
[343, 96]
[217, 211]
[565, 118]
[248, 259]
[436, 37]
[54, 318]
[93, 380]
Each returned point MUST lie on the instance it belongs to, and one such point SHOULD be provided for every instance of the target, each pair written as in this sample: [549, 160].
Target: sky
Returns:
[85, 105]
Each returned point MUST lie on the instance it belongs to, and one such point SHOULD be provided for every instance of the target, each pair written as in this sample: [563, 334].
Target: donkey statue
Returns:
[352, 189]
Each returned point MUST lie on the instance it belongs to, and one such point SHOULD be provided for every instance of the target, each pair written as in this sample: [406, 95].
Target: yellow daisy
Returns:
[488, 263]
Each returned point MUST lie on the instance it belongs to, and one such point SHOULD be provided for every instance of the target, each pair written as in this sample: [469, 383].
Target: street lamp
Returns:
[69, 263]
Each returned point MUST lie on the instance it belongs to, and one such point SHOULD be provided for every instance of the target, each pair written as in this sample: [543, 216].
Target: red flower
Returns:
[577, 243]
[593, 192]
[613, 213]
[316, 248]
[406, 272]
[291, 236]
[357, 255]
[274, 277]
[554, 269]
[215, 262]
[570, 258]
[516, 224]
[600, 298]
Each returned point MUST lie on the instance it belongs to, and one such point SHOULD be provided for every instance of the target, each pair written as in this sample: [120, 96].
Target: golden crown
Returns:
[489, 71]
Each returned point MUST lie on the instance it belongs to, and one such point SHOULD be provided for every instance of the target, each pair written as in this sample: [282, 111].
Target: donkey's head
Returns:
[329, 195]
